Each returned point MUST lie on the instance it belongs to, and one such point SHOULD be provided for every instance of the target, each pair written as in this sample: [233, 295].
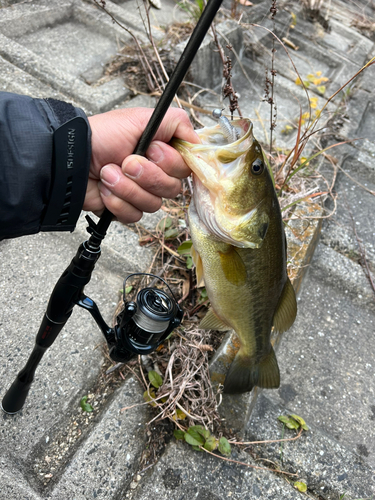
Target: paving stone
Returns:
[355, 207]
[13, 79]
[207, 68]
[63, 26]
[159, 18]
[344, 40]
[348, 13]
[30, 267]
[184, 474]
[307, 57]
[328, 354]
[338, 52]
[13, 484]
[325, 465]
[288, 98]
[104, 465]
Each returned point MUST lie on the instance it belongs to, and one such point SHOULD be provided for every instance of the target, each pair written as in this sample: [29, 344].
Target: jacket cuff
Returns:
[70, 165]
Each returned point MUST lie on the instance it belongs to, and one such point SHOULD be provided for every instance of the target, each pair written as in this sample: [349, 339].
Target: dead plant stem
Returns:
[151, 38]
[269, 440]
[142, 60]
[248, 465]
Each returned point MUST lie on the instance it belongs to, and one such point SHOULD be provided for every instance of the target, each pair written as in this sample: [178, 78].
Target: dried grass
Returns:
[186, 382]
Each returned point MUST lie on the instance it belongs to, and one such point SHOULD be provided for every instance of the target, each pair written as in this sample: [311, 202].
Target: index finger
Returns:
[176, 123]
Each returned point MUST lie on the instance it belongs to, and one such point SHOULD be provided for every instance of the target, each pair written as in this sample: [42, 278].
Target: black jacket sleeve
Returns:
[44, 164]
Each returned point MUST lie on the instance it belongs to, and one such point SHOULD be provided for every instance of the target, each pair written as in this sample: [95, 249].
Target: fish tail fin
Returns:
[244, 374]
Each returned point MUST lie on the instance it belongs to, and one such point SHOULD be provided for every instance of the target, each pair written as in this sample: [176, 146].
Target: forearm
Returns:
[44, 165]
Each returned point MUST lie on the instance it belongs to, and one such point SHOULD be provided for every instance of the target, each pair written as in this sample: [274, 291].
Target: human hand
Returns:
[128, 184]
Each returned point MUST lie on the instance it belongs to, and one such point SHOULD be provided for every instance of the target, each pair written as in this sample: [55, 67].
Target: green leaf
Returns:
[184, 248]
[321, 89]
[179, 434]
[300, 420]
[191, 440]
[128, 289]
[224, 447]
[302, 487]
[211, 443]
[289, 422]
[155, 379]
[171, 233]
[196, 435]
[164, 224]
[196, 448]
[86, 406]
[189, 262]
[205, 433]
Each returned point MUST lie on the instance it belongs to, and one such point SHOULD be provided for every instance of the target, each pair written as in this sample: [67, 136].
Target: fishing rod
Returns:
[144, 323]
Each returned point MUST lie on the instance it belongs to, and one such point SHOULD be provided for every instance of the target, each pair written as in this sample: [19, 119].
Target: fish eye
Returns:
[257, 167]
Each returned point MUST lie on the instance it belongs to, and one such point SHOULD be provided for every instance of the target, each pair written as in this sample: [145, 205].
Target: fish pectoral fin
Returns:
[286, 310]
[212, 322]
[244, 373]
[252, 229]
[233, 267]
[198, 266]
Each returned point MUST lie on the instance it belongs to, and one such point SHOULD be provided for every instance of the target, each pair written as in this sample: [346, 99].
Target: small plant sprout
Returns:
[86, 406]
[293, 421]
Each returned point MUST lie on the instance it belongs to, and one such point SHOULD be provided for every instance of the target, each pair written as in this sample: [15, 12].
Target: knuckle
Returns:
[115, 205]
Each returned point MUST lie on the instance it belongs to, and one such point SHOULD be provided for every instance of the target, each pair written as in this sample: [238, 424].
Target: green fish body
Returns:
[239, 248]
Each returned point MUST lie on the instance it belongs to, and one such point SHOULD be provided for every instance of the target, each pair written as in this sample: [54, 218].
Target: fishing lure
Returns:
[230, 132]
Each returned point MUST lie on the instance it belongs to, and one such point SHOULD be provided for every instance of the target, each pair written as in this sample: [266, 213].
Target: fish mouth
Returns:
[219, 159]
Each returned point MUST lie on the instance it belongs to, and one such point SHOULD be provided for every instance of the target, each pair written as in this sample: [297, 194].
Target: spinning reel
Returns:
[142, 325]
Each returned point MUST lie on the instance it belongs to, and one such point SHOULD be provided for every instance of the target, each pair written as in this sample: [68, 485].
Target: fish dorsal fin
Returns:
[233, 267]
[286, 310]
[198, 266]
[213, 322]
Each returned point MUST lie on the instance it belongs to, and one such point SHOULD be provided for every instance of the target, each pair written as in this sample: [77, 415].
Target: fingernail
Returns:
[109, 175]
[155, 153]
[133, 169]
[104, 191]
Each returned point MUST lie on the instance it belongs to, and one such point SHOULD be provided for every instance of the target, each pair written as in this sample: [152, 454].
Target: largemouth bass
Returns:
[239, 248]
